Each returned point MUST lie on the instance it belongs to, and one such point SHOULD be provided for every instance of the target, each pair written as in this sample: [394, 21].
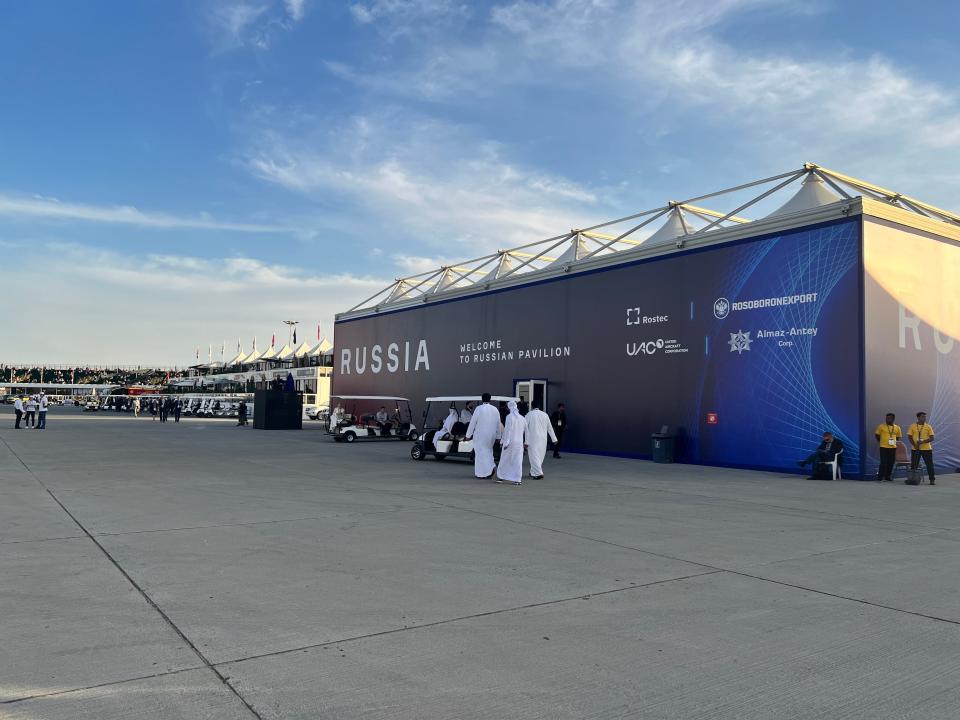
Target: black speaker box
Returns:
[277, 410]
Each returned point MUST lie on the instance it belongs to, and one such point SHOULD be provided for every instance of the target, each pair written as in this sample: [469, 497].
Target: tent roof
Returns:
[681, 224]
[303, 349]
[285, 352]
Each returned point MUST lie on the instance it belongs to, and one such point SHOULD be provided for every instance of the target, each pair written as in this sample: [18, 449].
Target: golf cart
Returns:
[453, 444]
[354, 417]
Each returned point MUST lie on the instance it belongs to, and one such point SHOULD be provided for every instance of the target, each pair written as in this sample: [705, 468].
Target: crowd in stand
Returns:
[89, 375]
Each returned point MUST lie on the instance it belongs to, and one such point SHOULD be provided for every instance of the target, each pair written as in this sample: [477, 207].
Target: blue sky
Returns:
[175, 174]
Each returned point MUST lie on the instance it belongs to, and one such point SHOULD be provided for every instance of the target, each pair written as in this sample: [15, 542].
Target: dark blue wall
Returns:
[633, 347]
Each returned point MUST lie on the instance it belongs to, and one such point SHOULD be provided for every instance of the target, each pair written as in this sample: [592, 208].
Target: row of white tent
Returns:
[323, 348]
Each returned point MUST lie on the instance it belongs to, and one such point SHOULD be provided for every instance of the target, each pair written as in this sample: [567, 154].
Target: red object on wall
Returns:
[712, 419]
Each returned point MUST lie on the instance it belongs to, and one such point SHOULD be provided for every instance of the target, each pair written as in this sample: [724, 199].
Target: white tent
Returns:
[812, 193]
[285, 352]
[303, 350]
[677, 225]
[270, 354]
[321, 348]
[252, 357]
[503, 265]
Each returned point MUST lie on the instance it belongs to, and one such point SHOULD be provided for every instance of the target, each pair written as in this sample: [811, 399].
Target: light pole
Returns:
[290, 324]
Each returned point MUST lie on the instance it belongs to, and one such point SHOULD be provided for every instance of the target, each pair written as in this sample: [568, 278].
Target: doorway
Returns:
[531, 391]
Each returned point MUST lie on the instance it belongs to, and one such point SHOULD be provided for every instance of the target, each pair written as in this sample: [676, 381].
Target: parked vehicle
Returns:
[453, 444]
[354, 417]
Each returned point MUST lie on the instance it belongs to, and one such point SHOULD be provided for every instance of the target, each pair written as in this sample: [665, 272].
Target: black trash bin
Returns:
[662, 444]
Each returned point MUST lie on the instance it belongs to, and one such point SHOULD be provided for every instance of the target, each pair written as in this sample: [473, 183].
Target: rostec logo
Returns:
[644, 348]
[721, 308]
[740, 341]
[633, 316]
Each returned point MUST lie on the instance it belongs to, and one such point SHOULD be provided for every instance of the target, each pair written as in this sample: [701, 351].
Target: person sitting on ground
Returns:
[825, 453]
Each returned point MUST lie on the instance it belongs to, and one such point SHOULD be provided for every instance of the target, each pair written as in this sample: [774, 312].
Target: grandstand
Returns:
[51, 375]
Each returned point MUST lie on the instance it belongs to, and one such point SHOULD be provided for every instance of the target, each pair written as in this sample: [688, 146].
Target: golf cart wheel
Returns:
[440, 456]
[416, 452]
[349, 437]
[413, 435]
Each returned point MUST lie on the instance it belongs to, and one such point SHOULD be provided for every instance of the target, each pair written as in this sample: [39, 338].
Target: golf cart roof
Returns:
[368, 397]
[471, 398]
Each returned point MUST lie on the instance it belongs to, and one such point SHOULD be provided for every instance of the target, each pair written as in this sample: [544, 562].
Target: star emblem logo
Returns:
[740, 341]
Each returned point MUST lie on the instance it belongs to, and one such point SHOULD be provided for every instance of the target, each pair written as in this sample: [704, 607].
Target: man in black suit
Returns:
[558, 419]
[825, 452]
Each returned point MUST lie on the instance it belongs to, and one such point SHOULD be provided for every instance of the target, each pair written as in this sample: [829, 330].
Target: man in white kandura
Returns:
[484, 428]
[539, 428]
[510, 468]
[467, 413]
[452, 417]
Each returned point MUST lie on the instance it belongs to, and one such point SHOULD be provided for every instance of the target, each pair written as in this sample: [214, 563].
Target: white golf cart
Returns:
[453, 444]
[354, 417]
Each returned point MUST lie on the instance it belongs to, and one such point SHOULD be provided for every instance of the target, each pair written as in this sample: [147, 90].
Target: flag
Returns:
[198, 352]
[254, 343]
[223, 348]
[318, 331]
[210, 352]
[273, 340]
[238, 345]
[294, 336]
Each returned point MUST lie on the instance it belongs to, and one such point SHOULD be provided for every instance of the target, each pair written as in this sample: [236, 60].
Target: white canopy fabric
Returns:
[269, 354]
[252, 357]
[677, 225]
[238, 359]
[503, 265]
[813, 193]
[303, 350]
[321, 348]
[285, 352]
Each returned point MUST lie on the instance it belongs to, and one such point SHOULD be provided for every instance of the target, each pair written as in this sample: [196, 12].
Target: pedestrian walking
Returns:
[559, 420]
[136, 407]
[18, 411]
[242, 413]
[539, 429]
[921, 441]
[176, 410]
[42, 404]
[510, 469]
[484, 429]
[153, 409]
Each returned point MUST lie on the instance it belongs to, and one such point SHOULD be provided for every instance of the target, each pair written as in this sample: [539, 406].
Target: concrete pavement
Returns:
[204, 570]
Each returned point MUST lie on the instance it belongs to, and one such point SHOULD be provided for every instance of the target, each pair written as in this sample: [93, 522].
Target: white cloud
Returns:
[296, 9]
[241, 23]
[51, 209]
[435, 182]
[407, 16]
[156, 309]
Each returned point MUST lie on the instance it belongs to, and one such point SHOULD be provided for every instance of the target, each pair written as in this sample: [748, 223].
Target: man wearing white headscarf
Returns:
[483, 429]
[466, 415]
[511, 447]
[452, 417]
[539, 428]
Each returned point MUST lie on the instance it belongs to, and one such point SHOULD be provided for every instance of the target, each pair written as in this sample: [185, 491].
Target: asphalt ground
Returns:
[203, 570]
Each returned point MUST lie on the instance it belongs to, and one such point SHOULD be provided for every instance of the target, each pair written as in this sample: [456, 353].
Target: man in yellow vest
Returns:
[888, 434]
[921, 440]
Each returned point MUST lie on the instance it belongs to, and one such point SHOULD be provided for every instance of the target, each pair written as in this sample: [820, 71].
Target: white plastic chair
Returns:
[834, 466]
